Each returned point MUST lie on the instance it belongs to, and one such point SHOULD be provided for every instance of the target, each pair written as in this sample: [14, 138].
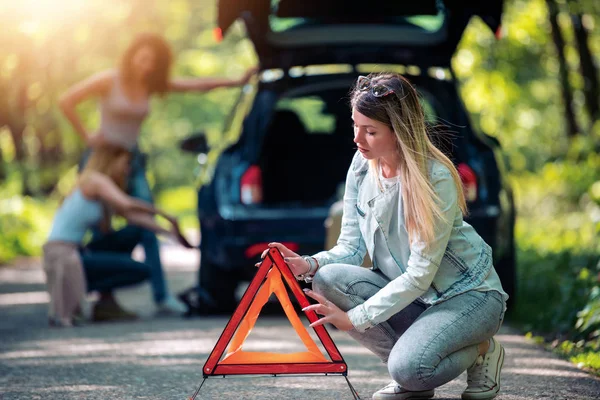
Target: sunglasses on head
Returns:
[377, 89]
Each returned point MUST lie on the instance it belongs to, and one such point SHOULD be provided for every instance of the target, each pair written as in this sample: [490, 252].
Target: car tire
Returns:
[216, 290]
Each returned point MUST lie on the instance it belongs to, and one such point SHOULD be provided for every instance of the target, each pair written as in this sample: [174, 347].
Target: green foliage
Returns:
[588, 358]
[585, 354]
[180, 202]
[510, 86]
[588, 319]
[310, 110]
[533, 338]
[557, 235]
[24, 225]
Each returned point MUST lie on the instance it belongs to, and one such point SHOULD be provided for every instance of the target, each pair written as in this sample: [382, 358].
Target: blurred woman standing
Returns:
[124, 95]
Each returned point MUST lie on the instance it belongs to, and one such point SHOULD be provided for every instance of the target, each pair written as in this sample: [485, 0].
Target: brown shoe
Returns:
[110, 310]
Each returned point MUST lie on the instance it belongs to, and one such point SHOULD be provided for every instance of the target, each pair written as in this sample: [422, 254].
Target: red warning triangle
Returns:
[268, 280]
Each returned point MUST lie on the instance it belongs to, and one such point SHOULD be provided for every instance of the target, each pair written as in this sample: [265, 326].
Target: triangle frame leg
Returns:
[198, 390]
[352, 390]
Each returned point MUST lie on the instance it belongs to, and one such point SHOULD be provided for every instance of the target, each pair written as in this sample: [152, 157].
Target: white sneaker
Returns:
[483, 377]
[393, 391]
[169, 306]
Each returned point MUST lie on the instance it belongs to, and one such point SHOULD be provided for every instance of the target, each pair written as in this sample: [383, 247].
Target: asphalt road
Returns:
[161, 358]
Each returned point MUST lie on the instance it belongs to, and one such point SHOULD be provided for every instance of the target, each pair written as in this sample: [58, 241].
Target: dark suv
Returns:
[293, 135]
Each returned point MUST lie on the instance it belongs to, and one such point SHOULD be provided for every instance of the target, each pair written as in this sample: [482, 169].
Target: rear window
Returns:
[289, 14]
[317, 117]
[311, 112]
[308, 144]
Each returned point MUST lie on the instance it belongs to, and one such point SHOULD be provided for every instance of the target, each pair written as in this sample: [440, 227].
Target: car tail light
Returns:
[218, 34]
[499, 32]
[469, 181]
[251, 191]
[258, 248]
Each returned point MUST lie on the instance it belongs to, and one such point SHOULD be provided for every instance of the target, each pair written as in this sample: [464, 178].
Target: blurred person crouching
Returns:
[73, 270]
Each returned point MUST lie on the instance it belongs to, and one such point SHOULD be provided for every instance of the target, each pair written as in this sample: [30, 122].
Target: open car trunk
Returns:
[306, 150]
[308, 145]
[303, 32]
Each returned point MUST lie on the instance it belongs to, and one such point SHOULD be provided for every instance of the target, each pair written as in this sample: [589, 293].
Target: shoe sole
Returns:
[493, 392]
[168, 313]
[422, 396]
[426, 395]
[114, 318]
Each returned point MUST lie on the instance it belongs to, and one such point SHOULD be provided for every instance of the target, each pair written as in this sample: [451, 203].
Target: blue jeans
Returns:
[107, 262]
[424, 346]
[138, 187]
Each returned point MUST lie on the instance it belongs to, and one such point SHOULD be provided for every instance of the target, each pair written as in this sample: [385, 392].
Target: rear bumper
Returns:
[234, 238]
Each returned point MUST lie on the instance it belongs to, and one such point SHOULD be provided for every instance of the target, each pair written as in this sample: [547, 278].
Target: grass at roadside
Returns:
[586, 355]
[558, 239]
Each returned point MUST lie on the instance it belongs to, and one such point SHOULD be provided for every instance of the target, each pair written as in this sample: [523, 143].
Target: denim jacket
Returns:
[458, 259]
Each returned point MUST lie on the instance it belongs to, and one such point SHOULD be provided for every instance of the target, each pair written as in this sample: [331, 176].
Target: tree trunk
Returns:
[587, 67]
[13, 117]
[2, 168]
[559, 43]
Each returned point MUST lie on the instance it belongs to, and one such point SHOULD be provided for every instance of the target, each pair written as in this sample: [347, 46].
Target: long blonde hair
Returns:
[403, 113]
[103, 159]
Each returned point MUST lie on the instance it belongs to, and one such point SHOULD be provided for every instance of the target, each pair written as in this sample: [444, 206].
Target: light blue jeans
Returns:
[138, 187]
[423, 346]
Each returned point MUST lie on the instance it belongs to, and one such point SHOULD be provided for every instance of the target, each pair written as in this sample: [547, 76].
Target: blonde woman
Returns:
[71, 270]
[432, 302]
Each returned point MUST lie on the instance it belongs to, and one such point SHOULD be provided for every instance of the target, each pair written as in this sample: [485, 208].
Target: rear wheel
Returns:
[220, 284]
[215, 294]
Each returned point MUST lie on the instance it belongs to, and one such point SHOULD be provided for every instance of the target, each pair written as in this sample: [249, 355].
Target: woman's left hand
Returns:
[331, 313]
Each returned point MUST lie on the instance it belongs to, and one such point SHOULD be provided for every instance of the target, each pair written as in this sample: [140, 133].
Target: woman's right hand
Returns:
[297, 264]
[176, 231]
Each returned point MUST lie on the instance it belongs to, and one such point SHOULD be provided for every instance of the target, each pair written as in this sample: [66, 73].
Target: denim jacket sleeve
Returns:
[350, 247]
[423, 263]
